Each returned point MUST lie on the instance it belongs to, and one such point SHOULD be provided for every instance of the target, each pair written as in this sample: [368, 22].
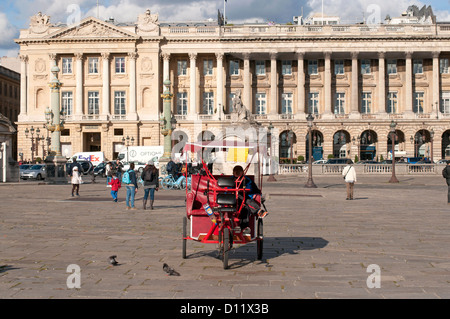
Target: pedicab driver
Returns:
[252, 207]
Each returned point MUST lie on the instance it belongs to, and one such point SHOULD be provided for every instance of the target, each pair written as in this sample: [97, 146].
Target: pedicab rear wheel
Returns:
[226, 247]
[259, 240]
[183, 247]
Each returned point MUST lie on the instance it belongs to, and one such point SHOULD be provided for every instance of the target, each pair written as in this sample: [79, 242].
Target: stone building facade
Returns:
[355, 79]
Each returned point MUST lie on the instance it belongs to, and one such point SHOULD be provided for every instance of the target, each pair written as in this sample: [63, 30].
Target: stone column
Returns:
[247, 96]
[327, 89]
[193, 86]
[381, 84]
[79, 87]
[301, 85]
[220, 88]
[132, 112]
[354, 114]
[436, 84]
[408, 86]
[105, 90]
[273, 84]
[23, 87]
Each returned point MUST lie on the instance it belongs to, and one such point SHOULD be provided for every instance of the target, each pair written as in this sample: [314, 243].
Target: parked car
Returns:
[100, 169]
[368, 162]
[442, 161]
[322, 161]
[338, 161]
[86, 167]
[138, 166]
[36, 171]
[23, 168]
[386, 162]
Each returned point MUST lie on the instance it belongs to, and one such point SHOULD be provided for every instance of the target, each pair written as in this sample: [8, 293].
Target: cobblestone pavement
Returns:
[316, 245]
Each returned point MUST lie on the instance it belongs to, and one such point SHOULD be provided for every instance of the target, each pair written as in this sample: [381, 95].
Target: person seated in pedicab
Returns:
[251, 206]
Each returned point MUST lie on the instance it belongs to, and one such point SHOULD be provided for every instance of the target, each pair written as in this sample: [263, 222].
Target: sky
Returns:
[15, 14]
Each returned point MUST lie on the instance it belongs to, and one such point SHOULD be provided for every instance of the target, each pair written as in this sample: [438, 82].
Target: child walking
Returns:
[115, 185]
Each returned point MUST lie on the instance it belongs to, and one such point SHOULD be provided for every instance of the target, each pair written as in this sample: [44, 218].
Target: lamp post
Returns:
[31, 131]
[310, 182]
[270, 135]
[165, 122]
[393, 177]
[431, 141]
[55, 161]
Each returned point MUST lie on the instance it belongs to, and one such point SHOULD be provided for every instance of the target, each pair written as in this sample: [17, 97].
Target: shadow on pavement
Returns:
[273, 247]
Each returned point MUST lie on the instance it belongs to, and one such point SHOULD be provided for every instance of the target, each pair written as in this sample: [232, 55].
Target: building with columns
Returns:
[355, 79]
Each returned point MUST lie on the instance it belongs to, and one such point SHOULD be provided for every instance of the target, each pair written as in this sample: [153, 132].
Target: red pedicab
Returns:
[224, 195]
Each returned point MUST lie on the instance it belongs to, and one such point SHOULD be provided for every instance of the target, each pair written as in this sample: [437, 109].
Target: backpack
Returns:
[148, 176]
[126, 179]
[445, 173]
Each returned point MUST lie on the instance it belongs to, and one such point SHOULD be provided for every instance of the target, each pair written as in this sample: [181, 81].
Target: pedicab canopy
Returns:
[230, 153]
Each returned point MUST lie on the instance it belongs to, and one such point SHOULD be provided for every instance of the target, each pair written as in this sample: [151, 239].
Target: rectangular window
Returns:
[443, 65]
[66, 65]
[67, 102]
[445, 102]
[286, 67]
[339, 104]
[286, 103]
[313, 68]
[234, 67]
[208, 103]
[313, 105]
[366, 103]
[365, 67]
[391, 66]
[182, 103]
[182, 67]
[119, 103]
[418, 66]
[418, 102]
[93, 103]
[120, 65]
[339, 67]
[392, 102]
[207, 67]
[93, 65]
[260, 67]
[260, 100]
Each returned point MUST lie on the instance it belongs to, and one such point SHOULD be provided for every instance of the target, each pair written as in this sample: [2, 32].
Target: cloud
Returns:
[7, 33]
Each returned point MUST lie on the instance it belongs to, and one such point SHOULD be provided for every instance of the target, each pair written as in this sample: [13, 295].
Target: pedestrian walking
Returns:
[349, 174]
[446, 175]
[76, 181]
[130, 181]
[108, 173]
[115, 185]
[150, 176]
[119, 169]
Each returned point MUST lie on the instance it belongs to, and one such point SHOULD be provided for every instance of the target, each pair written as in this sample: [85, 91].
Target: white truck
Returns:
[140, 154]
[94, 157]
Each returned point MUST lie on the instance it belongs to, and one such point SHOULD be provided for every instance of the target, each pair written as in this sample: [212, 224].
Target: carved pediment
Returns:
[92, 28]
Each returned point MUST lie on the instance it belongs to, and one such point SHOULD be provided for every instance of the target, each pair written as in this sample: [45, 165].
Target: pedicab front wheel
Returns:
[259, 240]
[183, 248]
[226, 247]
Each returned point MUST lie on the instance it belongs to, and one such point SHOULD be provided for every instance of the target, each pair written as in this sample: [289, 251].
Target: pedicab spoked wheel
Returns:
[166, 183]
[225, 247]
[183, 247]
[260, 239]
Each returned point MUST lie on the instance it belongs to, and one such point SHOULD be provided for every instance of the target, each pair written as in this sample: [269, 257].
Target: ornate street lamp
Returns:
[392, 131]
[310, 182]
[270, 135]
[166, 123]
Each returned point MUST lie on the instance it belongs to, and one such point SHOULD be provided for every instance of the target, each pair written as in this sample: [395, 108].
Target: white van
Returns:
[94, 157]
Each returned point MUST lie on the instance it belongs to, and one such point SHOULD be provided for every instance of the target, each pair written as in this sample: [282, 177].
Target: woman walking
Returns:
[76, 181]
[349, 174]
[150, 176]
[130, 181]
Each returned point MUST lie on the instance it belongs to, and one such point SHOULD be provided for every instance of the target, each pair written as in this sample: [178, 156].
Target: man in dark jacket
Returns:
[446, 175]
[75, 164]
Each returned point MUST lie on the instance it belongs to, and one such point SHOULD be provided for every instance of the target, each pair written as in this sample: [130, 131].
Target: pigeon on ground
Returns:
[113, 261]
[170, 271]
